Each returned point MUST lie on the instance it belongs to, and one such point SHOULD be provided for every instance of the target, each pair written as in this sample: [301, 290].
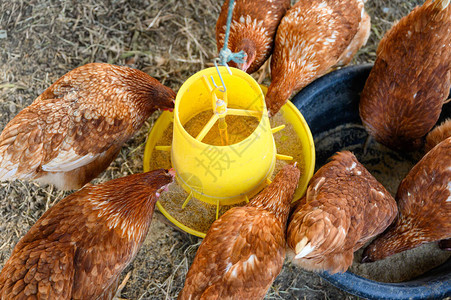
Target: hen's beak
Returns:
[164, 188]
[172, 109]
[244, 66]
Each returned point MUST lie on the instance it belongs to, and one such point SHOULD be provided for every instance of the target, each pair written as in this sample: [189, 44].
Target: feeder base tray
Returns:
[195, 216]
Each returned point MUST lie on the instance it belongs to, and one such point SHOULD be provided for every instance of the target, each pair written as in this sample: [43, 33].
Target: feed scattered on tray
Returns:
[287, 143]
[198, 215]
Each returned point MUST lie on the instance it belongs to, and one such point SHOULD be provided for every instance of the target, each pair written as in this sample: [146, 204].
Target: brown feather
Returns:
[313, 37]
[77, 126]
[79, 247]
[424, 202]
[244, 249]
[357, 42]
[404, 93]
[253, 27]
[345, 207]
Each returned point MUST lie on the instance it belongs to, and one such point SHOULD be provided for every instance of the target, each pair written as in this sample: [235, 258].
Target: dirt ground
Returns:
[40, 40]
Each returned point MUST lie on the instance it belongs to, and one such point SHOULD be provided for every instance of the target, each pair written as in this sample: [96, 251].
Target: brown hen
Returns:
[424, 203]
[79, 247]
[244, 249]
[253, 27]
[404, 93]
[345, 207]
[313, 37]
[76, 127]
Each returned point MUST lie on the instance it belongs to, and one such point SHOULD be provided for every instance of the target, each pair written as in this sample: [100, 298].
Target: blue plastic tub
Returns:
[332, 101]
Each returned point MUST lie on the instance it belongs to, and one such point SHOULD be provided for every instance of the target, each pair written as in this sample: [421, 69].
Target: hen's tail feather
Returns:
[303, 248]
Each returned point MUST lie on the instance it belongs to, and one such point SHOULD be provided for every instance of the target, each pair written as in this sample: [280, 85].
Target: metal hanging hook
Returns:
[226, 55]
[216, 60]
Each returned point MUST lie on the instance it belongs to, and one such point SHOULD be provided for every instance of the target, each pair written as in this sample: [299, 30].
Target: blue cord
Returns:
[225, 55]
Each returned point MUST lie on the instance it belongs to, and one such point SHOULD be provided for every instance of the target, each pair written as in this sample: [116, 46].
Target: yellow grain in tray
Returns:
[197, 214]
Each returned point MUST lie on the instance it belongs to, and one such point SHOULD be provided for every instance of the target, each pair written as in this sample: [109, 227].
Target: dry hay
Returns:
[40, 40]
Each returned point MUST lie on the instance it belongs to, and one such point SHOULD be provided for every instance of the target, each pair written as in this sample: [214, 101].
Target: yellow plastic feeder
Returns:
[233, 168]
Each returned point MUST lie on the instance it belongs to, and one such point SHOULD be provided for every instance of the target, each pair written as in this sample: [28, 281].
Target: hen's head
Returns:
[387, 244]
[248, 47]
[278, 195]
[127, 203]
[390, 138]
[135, 186]
[147, 92]
[163, 98]
[402, 235]
[276, 97]
[160, 179]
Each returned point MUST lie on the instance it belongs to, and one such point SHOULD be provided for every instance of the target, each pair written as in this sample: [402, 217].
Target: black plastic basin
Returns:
[328, 104]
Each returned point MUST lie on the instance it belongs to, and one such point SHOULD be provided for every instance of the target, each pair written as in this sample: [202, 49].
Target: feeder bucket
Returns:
[226, 174]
